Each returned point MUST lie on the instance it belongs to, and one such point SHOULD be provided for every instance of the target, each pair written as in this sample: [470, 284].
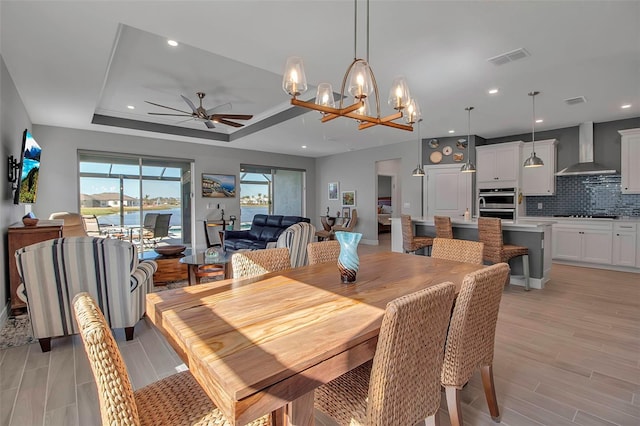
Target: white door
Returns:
[448, 191]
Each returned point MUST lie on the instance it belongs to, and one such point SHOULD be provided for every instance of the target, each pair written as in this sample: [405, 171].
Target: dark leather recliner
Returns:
[265, 229]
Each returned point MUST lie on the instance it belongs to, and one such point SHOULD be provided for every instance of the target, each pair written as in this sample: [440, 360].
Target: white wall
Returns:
[356, 170]
[13, 120]
[59, 184]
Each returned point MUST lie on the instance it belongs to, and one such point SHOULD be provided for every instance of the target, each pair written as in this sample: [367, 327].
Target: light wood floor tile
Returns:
[67, 415]
[88, 405]
[61, 383]
[29, 407]
[585, 419]
[12, 366]
[7, 401]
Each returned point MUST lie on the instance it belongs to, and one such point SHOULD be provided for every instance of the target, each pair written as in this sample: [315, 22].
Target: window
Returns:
[270, 190]
[121, 189]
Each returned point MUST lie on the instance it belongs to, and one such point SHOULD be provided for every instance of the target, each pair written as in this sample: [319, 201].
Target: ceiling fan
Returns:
[207, 116]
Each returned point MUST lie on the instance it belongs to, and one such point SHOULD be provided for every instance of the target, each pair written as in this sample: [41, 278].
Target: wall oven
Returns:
[498, 202]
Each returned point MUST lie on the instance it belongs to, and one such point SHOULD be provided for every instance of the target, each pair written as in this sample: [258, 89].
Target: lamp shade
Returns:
[468, 167]
[324, 95]
[399, 96]
[418, 171]
[294, 81]
[412, 113]
[360, 83]
[533, 161]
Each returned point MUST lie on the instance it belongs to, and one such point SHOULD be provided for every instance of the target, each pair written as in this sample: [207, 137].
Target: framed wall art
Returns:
[218, 186]
[333, 190]
[349, 198]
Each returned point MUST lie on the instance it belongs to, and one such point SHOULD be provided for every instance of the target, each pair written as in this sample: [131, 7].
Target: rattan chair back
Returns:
[258, 262]
[402, 385]
[323, 251]
[351, 223]
[115, 393]
[472, 330]
[443, 227]
[411, 243]
[490, 233]
[459, 250]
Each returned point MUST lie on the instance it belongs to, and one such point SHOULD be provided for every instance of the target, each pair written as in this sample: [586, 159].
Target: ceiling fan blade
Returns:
[221, 107]
[163, 106]
[209, 124]
[191, 105]
[228, 123]
[232, 116]
[174, 115]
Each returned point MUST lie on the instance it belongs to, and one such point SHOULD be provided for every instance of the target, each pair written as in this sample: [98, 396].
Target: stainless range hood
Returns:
[586, 166]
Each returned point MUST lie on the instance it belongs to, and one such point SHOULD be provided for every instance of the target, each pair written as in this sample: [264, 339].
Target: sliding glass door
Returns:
[120, 190]
[270, 190]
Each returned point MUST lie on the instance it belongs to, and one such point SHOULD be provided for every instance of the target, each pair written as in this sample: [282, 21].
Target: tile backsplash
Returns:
[586, 195]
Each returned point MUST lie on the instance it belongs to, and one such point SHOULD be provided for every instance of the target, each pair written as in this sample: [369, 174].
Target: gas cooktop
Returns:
[587, 216]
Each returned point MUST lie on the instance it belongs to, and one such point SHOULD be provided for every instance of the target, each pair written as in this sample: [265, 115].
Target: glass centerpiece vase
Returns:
[348, 261]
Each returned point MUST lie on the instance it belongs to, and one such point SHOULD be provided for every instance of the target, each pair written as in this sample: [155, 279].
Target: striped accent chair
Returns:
[296, 238]
[54, 271]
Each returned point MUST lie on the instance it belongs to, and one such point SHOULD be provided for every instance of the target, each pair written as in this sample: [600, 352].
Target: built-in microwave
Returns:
[498, 202]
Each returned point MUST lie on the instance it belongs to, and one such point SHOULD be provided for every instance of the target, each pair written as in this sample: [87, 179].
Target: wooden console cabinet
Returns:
[22, 236]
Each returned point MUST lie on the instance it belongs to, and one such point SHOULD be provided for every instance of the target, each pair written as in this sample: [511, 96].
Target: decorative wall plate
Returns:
[433, 143]
[458, 156]
[435, 157]
[447, 150]
[461, 144]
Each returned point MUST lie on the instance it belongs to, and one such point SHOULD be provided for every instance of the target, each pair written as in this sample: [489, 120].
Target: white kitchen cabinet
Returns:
[630, 158]
[583, 242]
[624, 244]
[539, 180]
[498, 166]
[447, 191]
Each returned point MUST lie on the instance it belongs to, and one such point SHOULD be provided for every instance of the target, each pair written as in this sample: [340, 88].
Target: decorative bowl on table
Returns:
[30, 221]
[170, 250]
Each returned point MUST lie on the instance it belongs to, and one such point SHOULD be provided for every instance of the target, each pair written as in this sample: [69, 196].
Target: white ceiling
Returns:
[73, 59]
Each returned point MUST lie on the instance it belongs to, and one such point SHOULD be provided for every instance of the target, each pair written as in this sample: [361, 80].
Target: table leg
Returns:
[192, 274]
[296, 413]
[228, 270]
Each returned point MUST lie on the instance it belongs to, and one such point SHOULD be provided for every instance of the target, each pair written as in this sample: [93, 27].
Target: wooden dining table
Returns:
[263, 344]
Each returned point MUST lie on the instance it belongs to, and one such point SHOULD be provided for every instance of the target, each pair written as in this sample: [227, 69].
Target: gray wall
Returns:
[59, 183]
[13, 120]
[606, 142]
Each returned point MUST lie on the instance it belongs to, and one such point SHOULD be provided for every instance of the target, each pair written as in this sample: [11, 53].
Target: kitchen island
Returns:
[533, 234]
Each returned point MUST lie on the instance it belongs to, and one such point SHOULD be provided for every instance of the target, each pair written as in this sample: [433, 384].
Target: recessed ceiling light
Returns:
[625, 106]
[452, 131]
[539, 120]
[304, 147]
[172, 43]
[493, 91]
[131, 107]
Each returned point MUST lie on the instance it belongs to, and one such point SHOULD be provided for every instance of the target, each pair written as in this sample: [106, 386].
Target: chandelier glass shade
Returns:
[533, 160]
[468, 167]
[359, 84]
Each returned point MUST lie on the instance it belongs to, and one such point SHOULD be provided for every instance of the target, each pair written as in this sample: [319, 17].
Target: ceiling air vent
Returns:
[576, 100]
[504, 58]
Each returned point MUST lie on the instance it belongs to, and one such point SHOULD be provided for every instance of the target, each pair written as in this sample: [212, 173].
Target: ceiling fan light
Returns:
[324, 95]
[533, 161]
[294, 80]
[399, 96]
[360, 83]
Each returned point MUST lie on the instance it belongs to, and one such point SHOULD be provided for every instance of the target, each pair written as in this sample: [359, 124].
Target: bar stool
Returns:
[411, 243]
[495, 251]
[443, 227]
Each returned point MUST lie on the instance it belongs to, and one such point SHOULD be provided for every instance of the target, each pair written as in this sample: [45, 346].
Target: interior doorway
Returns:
[388, 198]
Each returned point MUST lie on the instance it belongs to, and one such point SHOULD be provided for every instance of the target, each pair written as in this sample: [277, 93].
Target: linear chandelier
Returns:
[361, 84]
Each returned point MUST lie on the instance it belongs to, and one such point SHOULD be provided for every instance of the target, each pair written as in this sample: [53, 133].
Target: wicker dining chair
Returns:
[471, 337]
[402, 385]
[323, 251]
[495, 251]
[258, 262]
[175, 400]
[411, 243]
[443, 227]
[459, 250]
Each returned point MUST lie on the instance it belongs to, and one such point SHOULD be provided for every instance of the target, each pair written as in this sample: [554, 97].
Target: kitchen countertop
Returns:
[526, 225]
[579, 219]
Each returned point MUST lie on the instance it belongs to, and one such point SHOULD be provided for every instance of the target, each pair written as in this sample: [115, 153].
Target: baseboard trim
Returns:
[599, 266]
